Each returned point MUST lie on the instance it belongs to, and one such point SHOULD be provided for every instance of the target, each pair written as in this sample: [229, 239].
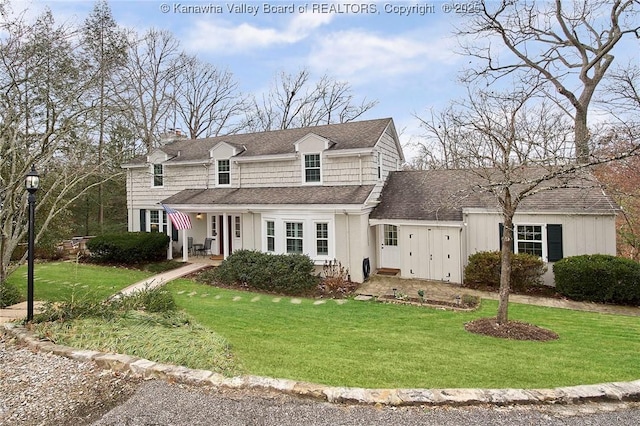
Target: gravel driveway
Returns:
[45, 389]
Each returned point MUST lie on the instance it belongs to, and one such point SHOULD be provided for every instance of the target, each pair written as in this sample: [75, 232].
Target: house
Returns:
[336, 192]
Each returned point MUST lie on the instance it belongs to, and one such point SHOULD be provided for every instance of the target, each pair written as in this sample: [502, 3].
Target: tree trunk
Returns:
[505, 264]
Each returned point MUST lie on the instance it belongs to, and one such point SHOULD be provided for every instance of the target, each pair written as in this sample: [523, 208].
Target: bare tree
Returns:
[43, 85]
[570, 46]
[207, 100]
[515, 146]
[148, 81]
[294, 101]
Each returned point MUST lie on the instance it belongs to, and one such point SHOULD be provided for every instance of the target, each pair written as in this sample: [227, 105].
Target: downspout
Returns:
[346, 215]
[130, 196]
[360, 161]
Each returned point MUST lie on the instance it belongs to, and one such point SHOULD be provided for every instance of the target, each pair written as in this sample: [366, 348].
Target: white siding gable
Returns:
[312, 143]
[157, 157]
[222, 151]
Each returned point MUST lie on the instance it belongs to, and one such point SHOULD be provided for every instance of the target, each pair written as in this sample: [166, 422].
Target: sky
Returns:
[401, 53]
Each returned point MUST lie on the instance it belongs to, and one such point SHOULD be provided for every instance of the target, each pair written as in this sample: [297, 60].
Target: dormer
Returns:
[312, 143]
[220, 155]
[155, 160]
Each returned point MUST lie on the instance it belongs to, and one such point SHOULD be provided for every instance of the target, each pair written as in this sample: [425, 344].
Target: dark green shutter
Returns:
[174, 232]
[554, 243]
[143, 220]
[501, 233]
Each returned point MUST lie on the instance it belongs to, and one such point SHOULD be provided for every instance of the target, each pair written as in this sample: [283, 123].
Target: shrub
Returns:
[599, 278]
[483, 271]
[281, 273]
[129, 247]
[9, 294]
[335, 280]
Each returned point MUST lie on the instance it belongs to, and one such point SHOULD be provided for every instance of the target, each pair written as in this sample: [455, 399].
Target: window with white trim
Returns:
[322, 239]
[214, 225]
[157, 220]
[379, 165]
[224, 172]
[312, 168]
[271, 236]
[390, 235]
[158, 175]
[237, 226]
[294, 237]
[530, 239]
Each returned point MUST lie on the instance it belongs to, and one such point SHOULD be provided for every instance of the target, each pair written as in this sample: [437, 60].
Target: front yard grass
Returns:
[362, 344]
[60, 281]
[365, 344]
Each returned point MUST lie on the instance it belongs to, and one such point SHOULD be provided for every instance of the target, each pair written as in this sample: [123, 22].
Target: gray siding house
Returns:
[336, 192]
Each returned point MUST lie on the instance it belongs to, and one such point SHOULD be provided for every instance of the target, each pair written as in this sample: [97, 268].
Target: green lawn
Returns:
[372, 345]
[367, 344]
[58, 281]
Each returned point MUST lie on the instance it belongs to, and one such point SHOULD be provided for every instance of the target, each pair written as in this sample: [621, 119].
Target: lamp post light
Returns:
[32, 181]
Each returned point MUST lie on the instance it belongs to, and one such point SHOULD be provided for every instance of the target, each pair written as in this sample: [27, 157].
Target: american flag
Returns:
[179, 220]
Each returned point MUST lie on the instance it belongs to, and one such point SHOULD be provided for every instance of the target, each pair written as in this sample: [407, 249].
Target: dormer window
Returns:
[158, 175]
[224, 172]
[312, 168]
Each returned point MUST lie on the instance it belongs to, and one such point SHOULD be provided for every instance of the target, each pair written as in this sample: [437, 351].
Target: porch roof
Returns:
[345, 194]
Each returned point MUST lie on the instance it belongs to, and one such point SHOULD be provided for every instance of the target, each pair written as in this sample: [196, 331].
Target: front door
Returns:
[389, 249]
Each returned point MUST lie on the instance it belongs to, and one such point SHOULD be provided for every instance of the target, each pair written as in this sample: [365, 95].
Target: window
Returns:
[224, 172]
[237, 226]
[312, 168]
[294, 238]
[379, 165]
[214, 225]
[322, 239]
[157, 222]
[529, 239]
[390, 235]
[271, 236]
[158, 175]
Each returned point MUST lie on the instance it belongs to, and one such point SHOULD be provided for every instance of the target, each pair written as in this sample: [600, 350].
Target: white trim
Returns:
[217, 173]
[303, 158]
[409, 222]
[352, 152]
[309, 222]
[153, 175]
[543, 236]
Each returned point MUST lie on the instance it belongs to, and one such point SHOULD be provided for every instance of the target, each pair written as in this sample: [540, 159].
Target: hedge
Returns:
[129, 247]
[483, 271]
[290, 274]
[599, 278]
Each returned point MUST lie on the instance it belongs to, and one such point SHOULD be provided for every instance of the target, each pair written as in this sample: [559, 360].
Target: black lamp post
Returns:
[32, 181]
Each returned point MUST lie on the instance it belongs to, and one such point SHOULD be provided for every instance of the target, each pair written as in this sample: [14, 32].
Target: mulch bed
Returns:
[514, 330]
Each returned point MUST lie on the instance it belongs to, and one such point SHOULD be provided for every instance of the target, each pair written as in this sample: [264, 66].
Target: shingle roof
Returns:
[346, 194]
[443, 194]
[356, 134]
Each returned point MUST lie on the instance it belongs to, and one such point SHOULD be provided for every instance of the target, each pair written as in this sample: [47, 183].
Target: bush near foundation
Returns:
[599, 278]
[290, 274]
[128, 247]
[483, 271]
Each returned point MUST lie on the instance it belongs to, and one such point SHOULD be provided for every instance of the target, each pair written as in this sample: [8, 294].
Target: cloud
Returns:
[359, 55]
[222, 36]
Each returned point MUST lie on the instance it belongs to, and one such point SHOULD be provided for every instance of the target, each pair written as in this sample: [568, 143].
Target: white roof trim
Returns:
[416, 222]
[352, 152]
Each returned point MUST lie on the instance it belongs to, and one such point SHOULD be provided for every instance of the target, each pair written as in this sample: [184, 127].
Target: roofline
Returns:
[262, 208]
[478, 210]
[352, 152]
[417, 222]
[266, 157]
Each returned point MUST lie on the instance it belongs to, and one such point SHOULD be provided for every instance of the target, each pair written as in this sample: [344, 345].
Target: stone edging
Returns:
[615, 391]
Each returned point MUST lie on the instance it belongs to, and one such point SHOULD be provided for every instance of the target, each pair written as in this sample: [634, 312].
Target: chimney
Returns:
[171, 135]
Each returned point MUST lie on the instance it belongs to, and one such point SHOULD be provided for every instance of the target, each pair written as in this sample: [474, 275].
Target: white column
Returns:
[225, 235]
[185, 246]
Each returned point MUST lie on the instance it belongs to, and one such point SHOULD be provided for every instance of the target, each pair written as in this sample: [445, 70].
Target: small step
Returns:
[389, 272]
